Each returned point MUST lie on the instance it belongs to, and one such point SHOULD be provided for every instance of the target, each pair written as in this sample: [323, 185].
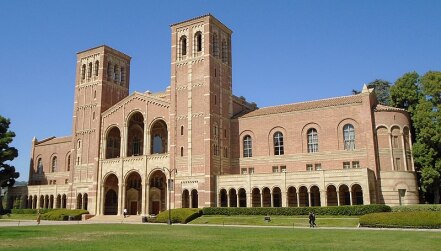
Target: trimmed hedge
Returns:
[422, 219]
[64, 214]
[179, 215]
[418, 208]
[30, 211]
[334, 210]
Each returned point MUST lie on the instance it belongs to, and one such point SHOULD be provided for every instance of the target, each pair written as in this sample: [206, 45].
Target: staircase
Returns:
[115, 219]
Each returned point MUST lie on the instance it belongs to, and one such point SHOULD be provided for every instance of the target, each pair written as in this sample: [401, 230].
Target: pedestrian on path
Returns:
[38, 217]
[125, 212]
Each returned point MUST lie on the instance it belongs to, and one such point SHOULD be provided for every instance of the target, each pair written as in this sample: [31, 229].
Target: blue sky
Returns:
[283, 51]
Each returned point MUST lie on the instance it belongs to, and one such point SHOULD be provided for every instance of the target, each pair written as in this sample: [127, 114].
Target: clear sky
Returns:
[283, 51]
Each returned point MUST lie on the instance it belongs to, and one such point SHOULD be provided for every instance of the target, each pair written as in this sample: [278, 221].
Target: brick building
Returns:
[217, 149]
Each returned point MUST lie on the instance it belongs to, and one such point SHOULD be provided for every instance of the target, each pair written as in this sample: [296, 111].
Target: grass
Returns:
[297, 221]
[187, 237]
[18, 217]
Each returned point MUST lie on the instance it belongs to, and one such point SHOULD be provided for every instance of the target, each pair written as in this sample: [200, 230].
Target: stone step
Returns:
[116, 218]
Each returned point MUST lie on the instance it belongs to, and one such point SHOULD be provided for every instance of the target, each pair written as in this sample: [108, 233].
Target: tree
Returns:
[405, 92]
[382, 90]
[7, 153]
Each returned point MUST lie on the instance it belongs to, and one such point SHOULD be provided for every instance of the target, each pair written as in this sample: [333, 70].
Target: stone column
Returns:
[309, 198]
[261, 199]
[350, 196]
[411, 152]
[143, 193]
[237, 200]
[123, 203]
[323, 199]
[120, 185]
[404, 152]
[272, 198]
[124, 141]
[228, 200]
[250, 199]
[391, 152]
[147, 198]
[338, 198]
[298, 199]
[284, 199]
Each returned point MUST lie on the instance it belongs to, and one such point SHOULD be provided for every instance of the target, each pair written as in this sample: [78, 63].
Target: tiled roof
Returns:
[306, 105]
[384, 108]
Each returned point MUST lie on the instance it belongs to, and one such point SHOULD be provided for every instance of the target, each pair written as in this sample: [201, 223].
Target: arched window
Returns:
[97, 66]
[247, 146]
[182, 151]
[123, 75]
[278, 143]
[224, 51]
[79, 144]
[349, 137]
[115, 73]
[182, 130]
[89, 71]
[183, 46]
[83, 72]
[109, 71]
[39, 166]
[68, 163]
[54, 164]
[215, 45]
[198, 41]
[312, 140]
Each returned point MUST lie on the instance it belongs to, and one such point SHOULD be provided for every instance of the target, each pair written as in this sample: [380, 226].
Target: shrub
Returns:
[30, 211]
[179, 215]
[418, 208]
[64, 214]
[334, 210]
[421, 219]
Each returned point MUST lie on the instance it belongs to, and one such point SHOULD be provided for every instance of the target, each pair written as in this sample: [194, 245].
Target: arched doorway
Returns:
[357, 195]
[63, 201]
[223, 198]
[315, 196]
[30, 202]
[159, 137]
[233, 197]
[46, 201]
[255, 197]
[343, 191]
[242, 198]
[113, 143]
[194, 198]
[133, 194]
[277, 197]
[85, 201]
[185, 199]
[331, 193]
[111, 195]
[292, 197]
[266, 197]
[303, 197]
[157, 193]
[135, 135]
[58, 204]
[79, 201]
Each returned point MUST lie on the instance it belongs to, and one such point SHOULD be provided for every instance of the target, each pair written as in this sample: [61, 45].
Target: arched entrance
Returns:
[58, 204]
[315, 196]
[157, 193]
[277, 197]
[292, 197]
[223, 198]
[242, 198]
[357, 195]
[113, 143]
[331, 193]
[79, 201]
[185, 199]
[266, 197]
[194, 198]
[85, 201]
[133, 194]
[233, 197]
[111, 195]
[343, 191]
[159, 137]
[255, 197]
[303, 197]
[63, 201]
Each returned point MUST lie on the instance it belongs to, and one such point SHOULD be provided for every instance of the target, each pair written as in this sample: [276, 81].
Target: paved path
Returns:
[120, 220]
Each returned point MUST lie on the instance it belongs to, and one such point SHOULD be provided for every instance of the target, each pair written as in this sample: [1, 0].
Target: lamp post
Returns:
[169, 187]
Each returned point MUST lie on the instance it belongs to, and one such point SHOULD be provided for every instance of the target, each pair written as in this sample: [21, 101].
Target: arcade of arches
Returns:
[295, 196]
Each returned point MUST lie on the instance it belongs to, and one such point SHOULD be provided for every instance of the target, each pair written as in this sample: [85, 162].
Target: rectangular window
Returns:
[275, 169]
[283, 169]
[66, 181]
[318, 166]
[309, 167]
[346, 165]
[398, 164]
[244, 171]
[251, 170]
[355, 164]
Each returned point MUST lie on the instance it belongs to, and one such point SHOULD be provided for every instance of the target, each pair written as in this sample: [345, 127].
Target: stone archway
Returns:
[277, 197]
[233, 197]
[345, 198]
[185, 199]
[194, 198]
[303, 197]
[357, 194]
[331, 193]
[111, 189]
[223, 198]
[242, 197]
[292, 197]
[266, 197]
[133, 197]
[256, 198]
[157, 192]
[315, 196]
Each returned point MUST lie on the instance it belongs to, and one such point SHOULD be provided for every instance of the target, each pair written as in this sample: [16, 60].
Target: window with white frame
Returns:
[355, 164]
[278, 144]
[312, 141]
[317, 166]
[309, 167]
[247, 146]
[275, 169]
[349, 137]
[346, 165]
[244, 171]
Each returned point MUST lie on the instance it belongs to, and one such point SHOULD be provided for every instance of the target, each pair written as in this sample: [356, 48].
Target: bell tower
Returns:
[102, 79]
[201, 106]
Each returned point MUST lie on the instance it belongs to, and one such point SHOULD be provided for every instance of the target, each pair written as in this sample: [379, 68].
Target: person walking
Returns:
[311, 215]
[125, 212]
[38, 217]
[313, 220]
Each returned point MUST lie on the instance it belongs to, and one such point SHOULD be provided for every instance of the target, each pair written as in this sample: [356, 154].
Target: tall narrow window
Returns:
[123, 75]
[215, 45]
[39, 166]
[54, 164]
[312, 140]
[224, 51]
[182, 151]
[89, 71]
[83, 71]
[278, 143]
[109, 71]
[115, 73]
[68, 163]
[349, 137]
[97, 66]
[183, 45]
[198, 41]
[182, 130]
[247, 147]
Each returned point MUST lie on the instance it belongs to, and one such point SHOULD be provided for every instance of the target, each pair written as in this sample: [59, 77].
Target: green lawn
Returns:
[18, 217]
[180, 237]
[297, 221]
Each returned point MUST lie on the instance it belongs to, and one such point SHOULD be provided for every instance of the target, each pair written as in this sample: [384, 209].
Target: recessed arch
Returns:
[135, 134]
[113, 143]
[158, 137]
[111, 188]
